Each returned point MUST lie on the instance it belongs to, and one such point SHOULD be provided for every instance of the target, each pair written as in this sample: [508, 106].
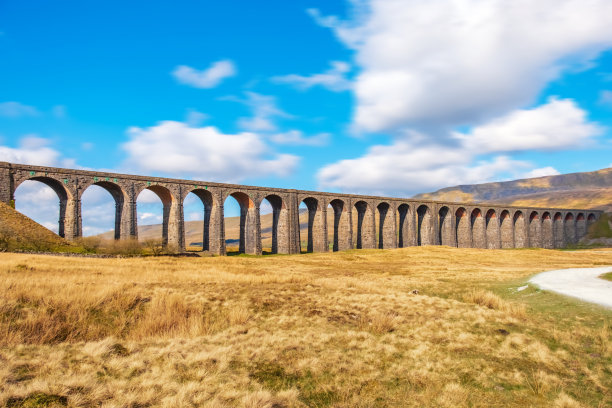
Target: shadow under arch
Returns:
[569, 229]
[406, 230]
[535, 230]
[520, 230]
[558, 231]
[445, 228]
[366, 230]
[342, 236]
[316, 231]
[548, 240]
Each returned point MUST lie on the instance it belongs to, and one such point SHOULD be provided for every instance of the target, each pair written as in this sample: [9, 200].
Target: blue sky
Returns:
[380, 96]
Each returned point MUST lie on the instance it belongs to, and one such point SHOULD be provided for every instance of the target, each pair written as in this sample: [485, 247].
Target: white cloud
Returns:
[457, 62]
[204, 152]
[559, 124]
[16, 110]
[296, 137]
[333, 79]
[195, 118]
[264, 110]
[207, 78]
[413, 164]
[31, 150]
[542, 172]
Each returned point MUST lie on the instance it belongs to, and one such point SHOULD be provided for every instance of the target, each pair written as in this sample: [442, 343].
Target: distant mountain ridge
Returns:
[591, 190]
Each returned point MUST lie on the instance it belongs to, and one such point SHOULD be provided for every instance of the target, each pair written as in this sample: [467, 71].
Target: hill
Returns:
[591, 190]
[20, 232]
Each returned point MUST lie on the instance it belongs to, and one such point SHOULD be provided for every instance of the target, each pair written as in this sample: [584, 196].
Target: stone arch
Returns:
[548, 241]
[365, 236]
[520, 230]
[208, 203]
[169, 213]
[535, 230]
[425, 226]
[67, 222]
[463, 228]
[122, 227]
[506, 230]
[581, 226]
[558, 231]
[569, 228]
[479, 237]
[386, 226]
[316, 227]
[342, 225]
[445, 227]
[406, 234]
[591, 219]
[492, 230]
[280, 224]
[249, 235]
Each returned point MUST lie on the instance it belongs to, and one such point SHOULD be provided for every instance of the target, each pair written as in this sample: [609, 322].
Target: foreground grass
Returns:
[412, 327]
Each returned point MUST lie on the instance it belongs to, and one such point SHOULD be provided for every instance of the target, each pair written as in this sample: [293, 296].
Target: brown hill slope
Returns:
[576, 190]
[19, 231]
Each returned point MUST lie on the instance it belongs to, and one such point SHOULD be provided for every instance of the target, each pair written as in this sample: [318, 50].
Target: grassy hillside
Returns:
[20, 232]
[576, 190]
[414, 327]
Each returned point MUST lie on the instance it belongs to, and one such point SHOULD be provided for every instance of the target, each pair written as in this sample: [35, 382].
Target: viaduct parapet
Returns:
[381, 222]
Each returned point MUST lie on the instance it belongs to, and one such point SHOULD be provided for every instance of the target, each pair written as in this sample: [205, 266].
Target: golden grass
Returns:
[343, 330]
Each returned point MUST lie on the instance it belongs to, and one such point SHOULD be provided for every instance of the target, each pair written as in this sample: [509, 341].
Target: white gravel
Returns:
[581, 283]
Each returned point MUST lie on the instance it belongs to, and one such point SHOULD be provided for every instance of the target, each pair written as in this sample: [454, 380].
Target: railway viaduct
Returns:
[359, 221]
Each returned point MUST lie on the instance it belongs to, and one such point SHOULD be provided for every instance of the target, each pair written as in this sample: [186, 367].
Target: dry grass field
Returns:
[430, 326]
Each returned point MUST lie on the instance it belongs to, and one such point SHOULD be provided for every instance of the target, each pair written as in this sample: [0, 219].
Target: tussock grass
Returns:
[413, 327]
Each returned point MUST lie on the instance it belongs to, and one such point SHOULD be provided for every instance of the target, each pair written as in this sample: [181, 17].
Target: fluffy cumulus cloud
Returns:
[31, 150]
[265, 113]
[415, 164]
[455, 62]
[559, 124]
[175, 148]
[333, 79]
[206, 78]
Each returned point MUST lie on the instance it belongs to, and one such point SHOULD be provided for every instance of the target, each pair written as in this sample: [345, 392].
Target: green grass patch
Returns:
[606, 276]
[601, 228]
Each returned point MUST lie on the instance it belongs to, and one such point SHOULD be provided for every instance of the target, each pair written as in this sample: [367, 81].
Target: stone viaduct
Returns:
[401, 222]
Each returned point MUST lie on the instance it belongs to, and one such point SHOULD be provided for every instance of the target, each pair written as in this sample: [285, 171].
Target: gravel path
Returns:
[581, 283]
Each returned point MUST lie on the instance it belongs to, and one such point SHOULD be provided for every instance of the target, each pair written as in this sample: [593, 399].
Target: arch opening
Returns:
[425, 231]
[312, 219]
[240, 228]
[364, 228]
[198, 207]
[479, 238]
[101, 214]
[153, 207]
[44, 200]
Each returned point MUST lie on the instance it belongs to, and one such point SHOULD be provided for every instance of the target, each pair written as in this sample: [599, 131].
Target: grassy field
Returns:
[430, 326]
